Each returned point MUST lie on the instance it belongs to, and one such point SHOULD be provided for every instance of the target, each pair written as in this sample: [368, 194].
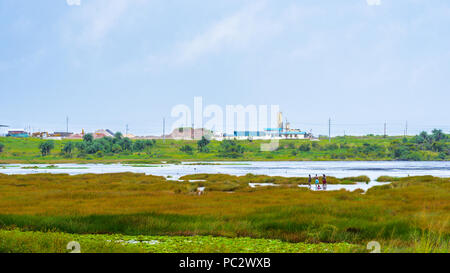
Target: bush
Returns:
[344, 146]
[1, 147]
[305, 147]
[230, 148]
[68, 148]
[202, 145]
[331, 147]
[46, 147]
[187, 149]
[361, 178]
[116, 148]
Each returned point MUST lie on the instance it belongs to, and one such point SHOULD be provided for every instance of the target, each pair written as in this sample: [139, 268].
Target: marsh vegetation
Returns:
[410, 214]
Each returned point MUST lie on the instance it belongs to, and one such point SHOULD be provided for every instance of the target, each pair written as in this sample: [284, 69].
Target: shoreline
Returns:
[161, 161]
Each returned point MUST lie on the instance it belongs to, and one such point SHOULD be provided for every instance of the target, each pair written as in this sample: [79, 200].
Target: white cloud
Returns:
[235, 31]
[373, 2]
[73, 2]
[90, 24]
[105, 17]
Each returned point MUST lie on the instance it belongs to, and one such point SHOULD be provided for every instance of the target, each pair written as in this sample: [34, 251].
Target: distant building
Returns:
[61, 134]
[103, 133]
[187, 133]
[267, 134]
[283, 131]
[17, 133]
[40, 134]
[75, 136]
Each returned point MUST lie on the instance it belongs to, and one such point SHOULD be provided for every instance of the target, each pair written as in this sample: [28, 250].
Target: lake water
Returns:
[372, 169]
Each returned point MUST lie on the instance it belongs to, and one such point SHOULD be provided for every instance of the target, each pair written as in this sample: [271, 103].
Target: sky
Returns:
[109, 63]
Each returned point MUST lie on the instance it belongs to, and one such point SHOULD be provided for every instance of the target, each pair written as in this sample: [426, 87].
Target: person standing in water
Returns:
[317, 182]
[309, 181]
[324, 182]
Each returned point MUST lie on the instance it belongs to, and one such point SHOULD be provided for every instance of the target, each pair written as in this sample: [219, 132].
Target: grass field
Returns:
[56, 242]
[18, 150]
[409, 215]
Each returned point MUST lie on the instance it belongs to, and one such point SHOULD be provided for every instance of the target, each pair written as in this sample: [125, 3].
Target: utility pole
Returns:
[67, 124]
[329, 130]
[385, 129]
[164, 130]
[406, 128]
[192, 132]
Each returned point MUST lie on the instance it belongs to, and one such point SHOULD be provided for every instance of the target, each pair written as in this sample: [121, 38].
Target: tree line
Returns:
[101, 146]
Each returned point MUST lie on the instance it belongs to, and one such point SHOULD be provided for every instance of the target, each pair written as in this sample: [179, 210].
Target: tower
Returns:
[280, 120]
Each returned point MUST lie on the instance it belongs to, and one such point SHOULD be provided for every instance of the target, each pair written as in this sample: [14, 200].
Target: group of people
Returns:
[317, 182]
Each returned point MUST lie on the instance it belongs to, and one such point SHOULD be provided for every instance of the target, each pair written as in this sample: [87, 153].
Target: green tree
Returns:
[81, 146]
[116, 148]
[46, 147]
[93, 147]
[104, 144]
[187, 149]
[202, 145]
[88, 138]
[68, 148]
[126, 144]
[138, 146]
[230, 148]
[437, 135]
[424, 137]
[305, 147]
[118, 136]
[438, 146]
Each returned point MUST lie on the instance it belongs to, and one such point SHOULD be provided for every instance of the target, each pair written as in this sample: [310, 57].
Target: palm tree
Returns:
[437, 134]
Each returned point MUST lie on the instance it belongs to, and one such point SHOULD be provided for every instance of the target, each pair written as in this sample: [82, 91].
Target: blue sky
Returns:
[108, 63]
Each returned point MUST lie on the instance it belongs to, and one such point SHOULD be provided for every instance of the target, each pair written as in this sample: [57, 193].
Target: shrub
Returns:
[230, 148]
[116, 148]
[331, 147]
[361, 178]
[68, 148]
[202, 145]
[46, 147]
[187, 149]
[305, 147]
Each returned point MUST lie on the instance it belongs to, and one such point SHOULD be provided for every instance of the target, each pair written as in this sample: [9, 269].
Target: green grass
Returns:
[385, 178]
[216, 180]
[18, 150]
[56, 242]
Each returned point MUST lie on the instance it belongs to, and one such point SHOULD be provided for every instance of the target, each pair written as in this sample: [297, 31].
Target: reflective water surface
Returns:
[340, 169]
